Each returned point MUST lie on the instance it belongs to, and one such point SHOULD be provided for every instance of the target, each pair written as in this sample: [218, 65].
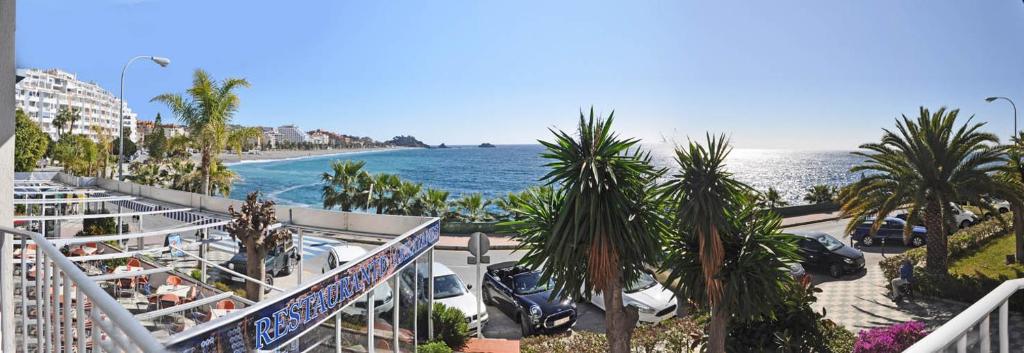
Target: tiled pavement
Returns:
[860, 301]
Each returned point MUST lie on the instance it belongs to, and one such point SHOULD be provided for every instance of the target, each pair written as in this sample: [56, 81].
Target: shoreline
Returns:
[230, 159]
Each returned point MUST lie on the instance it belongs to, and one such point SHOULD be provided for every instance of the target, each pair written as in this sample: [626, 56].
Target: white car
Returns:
[383, 297]
[963, 218]
[451, 291]
[1001, 206]
[652, 301]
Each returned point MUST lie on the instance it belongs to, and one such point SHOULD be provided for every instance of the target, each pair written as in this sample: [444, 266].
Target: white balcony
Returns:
[971, 330]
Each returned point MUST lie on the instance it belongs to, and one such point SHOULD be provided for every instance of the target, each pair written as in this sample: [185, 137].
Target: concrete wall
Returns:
[7, 81]
[297, 215]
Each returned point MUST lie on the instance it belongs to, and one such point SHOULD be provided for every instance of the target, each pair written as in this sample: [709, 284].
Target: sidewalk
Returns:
[503, 242]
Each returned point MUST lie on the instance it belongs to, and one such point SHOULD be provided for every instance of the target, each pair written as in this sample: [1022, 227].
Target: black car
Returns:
[822, 251]
[520, 293]
[280, 261]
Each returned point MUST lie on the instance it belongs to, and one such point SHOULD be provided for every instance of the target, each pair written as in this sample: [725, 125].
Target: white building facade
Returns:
[42, 93]
[291, 133]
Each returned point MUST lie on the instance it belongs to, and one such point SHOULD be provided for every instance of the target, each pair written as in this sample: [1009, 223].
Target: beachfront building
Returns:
[320, 138]
[291, 134]
[145, 127]
[270, 136]
[41, 94]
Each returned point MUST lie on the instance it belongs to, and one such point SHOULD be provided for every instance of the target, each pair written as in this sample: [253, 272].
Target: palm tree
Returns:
[435, 203]
[66, 118]
[1013, 175]
[381, 188]
[345, 186]
[705, 196]
[177, 146]
[406, 199]
[149, 174]
[103, 143]
[221, 179]
[773, 199]
[472, 208]
[820, 193]
[206, 113]
[602, 227]
[183, 175]
[238, 138]
[251, 227]
[923, 166]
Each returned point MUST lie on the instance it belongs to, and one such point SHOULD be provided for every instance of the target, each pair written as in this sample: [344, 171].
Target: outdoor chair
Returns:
[174, 280]
[133, 262]
[226, 304]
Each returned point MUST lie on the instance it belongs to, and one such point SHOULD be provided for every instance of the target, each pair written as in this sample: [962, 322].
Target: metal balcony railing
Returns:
[974, 322]
[63, 310]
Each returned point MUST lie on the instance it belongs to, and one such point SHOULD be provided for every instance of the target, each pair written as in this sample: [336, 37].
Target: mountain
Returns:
[486, 145]
[407, 141]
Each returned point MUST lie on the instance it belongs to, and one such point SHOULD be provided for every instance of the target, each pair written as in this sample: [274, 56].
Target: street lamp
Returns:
[163, 62]
[992, 99]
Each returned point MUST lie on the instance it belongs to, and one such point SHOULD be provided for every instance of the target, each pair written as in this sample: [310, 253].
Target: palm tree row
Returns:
[349, 187]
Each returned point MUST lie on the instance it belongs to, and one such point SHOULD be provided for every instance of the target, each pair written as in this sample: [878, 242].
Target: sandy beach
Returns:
[273, 155]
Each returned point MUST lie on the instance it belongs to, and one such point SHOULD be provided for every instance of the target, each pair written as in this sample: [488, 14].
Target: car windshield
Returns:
[448, 286]
[529, 283]
[829, 242]
[643, 282]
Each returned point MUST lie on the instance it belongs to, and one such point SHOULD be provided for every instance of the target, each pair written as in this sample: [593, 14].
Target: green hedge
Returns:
[801, 210]
[672, 335]
[961, 288]
[468, 228]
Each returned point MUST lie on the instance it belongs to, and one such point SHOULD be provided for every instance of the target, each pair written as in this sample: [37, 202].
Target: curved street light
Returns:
[993, 99]
[163, 62]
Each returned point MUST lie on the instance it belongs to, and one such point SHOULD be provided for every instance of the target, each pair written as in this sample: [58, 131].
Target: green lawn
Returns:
[990, 260]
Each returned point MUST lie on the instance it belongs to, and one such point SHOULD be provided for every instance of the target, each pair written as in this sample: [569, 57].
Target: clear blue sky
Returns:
[773, 74]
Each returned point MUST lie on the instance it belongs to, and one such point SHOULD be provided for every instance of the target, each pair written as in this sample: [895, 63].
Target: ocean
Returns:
[495, 172]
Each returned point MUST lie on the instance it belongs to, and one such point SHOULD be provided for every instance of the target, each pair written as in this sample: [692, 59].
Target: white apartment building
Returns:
[319, 137]
[291, 133]
[42, 92]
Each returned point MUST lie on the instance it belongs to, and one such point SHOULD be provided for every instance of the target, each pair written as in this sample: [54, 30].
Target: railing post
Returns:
[961, 343]
[40, 339]
[7, 107]
[986, 336]
[24, 294]
[1004, 327]
[66, 311]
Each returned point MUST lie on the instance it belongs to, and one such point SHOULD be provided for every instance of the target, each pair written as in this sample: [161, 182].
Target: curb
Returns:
[823, 220]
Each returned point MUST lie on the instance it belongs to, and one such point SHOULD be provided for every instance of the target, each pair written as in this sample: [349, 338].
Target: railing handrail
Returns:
[119, 316]
[952, 330]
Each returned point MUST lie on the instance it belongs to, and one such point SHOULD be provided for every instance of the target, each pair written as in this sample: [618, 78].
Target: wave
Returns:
[276, 195]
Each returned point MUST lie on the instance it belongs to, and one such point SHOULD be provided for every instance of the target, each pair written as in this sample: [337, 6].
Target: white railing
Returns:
[63, 310]
[956, 332]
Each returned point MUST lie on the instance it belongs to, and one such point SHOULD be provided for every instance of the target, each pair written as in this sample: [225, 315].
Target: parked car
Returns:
[890, 232]
[280, 261]
[961, 218]
[383, 298]
[1001, 206]
[450, 290]
[652, 301]
[825, 252]
[520, 294]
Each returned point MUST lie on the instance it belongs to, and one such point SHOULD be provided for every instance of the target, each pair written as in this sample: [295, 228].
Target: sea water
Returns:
[495, 172]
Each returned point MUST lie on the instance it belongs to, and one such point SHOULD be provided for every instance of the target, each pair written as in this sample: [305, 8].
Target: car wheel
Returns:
[965, 224]
[917, 241]
[524, 325]
[1004, 210]
[488, 300]
[835, 271]
[868, 240]
[269, 279]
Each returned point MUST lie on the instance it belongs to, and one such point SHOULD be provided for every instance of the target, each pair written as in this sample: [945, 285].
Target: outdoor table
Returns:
[216, 313]
[84, 250]
[124, 269]
[180, 290]
[90, 269]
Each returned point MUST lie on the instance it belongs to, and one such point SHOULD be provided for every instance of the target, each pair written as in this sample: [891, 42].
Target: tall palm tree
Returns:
[705, 196]
[603, 226]
[221, 179]
[104, 144]
[206, 112]
[149, 174]
[238, 138]
[774, 199]
[381, 188]
[177, 146]
[472, 208]
[1013, 175]
[406, 199]
[345, 186]
[924, 165]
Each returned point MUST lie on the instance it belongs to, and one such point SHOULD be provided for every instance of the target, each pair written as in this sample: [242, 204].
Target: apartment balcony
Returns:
[972, 330]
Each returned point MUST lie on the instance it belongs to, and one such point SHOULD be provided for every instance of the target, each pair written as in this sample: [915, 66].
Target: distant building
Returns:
[292, 134]
[270, 136]
[320, 137]
[41, 93]
[145, 127]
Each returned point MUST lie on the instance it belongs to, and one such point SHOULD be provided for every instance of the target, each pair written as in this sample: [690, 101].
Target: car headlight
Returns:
[848, 260]
[535, 312]
[231, 266]
[641, 307]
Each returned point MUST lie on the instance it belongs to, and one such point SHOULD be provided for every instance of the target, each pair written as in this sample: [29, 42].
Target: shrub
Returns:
[449, 325]
[672, 335]
[794, 327]
[892, 339]
[197, 275]
[433, 347]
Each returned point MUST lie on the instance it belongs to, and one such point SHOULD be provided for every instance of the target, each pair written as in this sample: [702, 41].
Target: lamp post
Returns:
[1015, 131]
[163, 62]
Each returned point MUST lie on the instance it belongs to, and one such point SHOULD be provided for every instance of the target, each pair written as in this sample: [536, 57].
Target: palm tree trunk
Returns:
[620, 319]
[937, 239]
[256, 268]
[205, 169]
[1018, 230]
[718, 328]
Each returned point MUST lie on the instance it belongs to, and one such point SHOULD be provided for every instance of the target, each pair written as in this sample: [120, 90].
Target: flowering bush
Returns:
[892, 339]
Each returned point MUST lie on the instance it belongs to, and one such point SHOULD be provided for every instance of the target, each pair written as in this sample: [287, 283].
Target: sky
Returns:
[814, 75]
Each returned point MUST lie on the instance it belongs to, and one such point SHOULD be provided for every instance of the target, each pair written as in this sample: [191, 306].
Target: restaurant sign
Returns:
[274, 324]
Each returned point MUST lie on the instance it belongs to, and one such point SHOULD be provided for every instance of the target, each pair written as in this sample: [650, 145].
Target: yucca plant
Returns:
[602, 227]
